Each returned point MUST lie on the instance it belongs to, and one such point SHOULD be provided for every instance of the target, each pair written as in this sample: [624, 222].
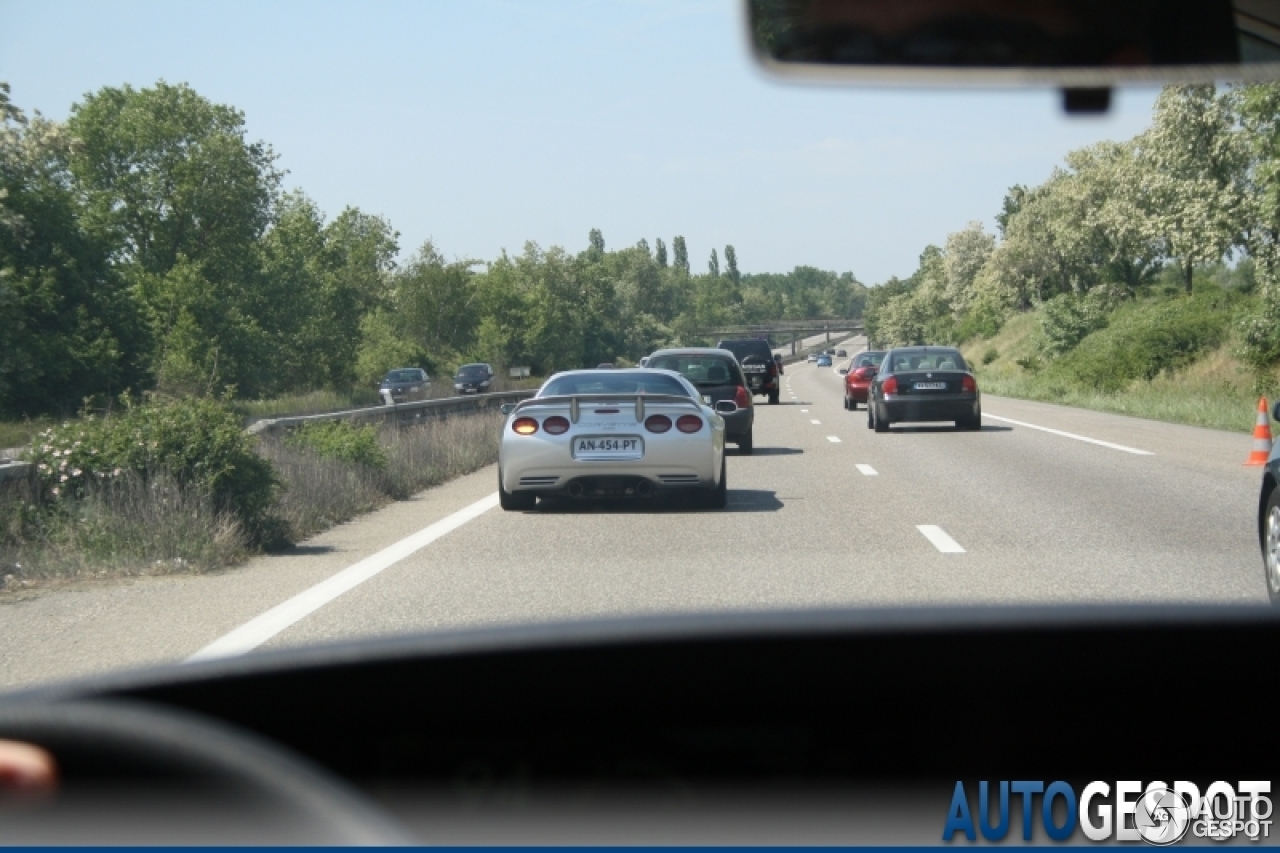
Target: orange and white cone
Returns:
[1261, 437]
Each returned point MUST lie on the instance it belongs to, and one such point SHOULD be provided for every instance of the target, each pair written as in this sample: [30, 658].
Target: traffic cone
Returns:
[1261, 436]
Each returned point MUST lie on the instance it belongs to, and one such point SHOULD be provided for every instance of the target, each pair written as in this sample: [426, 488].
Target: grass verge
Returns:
[135, 526]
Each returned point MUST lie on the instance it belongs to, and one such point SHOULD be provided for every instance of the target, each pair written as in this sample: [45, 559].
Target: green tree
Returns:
[713, 265]
[731, 265]
[661, 252]
[681, 252]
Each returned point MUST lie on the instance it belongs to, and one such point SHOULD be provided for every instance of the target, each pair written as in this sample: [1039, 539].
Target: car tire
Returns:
[1269, 536]
[515, 501]
[846, 404]
[877, 424]
[745, 444]
[718, 497]
[970, 424]
[870, 420]
[773, 398]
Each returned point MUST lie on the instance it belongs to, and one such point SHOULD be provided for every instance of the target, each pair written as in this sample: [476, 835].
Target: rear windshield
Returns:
[868, 359]
[943, 359]
[699, 369]
[404, 376]
[613, 382]
[743, 349]
[472, 370]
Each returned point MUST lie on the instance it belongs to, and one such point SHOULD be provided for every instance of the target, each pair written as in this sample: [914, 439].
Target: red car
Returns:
[858, 375]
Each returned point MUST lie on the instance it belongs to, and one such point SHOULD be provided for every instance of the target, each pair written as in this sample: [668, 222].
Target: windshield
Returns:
[613, 382]
[223, 226]
[698, 369]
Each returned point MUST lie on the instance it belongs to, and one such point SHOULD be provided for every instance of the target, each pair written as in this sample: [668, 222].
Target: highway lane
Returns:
[1039, 518]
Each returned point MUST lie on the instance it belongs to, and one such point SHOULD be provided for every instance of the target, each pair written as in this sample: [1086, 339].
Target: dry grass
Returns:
[320, 492]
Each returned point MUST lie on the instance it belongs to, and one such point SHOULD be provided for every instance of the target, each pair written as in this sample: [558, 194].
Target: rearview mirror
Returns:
[1069, 43]
[726, 407]
[843, 371]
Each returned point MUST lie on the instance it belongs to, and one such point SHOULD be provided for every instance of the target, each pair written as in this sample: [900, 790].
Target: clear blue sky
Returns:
[483, 124]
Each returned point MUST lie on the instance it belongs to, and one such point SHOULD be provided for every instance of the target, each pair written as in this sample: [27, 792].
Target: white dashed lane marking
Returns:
[816, 422]
[833, 439]
[868, 471]
[940, 539]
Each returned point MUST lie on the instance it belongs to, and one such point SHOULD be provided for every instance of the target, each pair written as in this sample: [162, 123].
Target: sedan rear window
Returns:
[613, 382]
[928, 360]
[868, 359]
[405, 376]
[699, 369]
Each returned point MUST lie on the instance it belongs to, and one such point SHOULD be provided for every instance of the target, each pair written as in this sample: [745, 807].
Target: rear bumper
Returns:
[761, 383]
[942, 408]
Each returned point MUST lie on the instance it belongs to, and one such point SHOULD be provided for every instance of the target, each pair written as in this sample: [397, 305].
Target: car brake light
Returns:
[968, 385]
[556, 425]
[525, 426]
[657, 423]
[689, 423]
[741, 397]
[890, 385]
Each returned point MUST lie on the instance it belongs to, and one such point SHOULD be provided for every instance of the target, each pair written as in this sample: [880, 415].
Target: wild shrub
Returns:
[990, 355]
[199, 443]
[1067, 319]
[341, 440]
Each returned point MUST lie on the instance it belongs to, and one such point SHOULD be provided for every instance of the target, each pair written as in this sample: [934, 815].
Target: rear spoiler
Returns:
[576, 401]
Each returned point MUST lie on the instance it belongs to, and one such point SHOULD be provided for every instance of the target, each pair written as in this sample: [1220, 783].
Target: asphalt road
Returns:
[825, 512]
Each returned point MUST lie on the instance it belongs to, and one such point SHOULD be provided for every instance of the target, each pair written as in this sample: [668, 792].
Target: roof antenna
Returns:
[1086, 101]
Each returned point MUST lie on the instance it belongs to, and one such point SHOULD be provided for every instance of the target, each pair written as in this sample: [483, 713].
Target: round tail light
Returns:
[556, 425]
[689, 423]
[657, 423]
[524, 426]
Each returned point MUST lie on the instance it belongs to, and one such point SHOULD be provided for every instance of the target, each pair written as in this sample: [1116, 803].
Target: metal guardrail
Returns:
[14, 470]
[399, 413]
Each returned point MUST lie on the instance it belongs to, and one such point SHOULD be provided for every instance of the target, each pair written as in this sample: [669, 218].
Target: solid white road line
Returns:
[258, 630]
[1096, 441]
[867, 471]
[940, 539]
[834, 439]
[819, 423]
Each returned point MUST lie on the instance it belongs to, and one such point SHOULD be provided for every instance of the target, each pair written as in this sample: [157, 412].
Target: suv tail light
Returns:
[556, 425]
[773, 368]
[657, 423]
[968, 385]
[741, 397]
[524, 426]
[890, 385]
[689, 423]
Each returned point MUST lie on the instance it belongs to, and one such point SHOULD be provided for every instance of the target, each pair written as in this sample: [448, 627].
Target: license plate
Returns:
[608, 447]
[931, 386]
[753, 368]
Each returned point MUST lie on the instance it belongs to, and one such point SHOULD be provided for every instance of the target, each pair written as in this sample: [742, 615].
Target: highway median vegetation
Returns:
[1142, 277]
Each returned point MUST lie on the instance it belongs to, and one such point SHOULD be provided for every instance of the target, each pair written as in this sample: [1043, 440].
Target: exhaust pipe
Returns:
[575, 489]
[644, 489]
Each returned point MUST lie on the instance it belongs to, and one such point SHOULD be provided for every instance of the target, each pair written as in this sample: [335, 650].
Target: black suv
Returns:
[757, 363]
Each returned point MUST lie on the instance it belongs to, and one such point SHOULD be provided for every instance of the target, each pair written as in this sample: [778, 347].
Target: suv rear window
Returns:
[749, 348]
[700, 369]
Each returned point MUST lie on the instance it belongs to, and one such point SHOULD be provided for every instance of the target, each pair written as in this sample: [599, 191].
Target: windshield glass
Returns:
[223, 226]
[698, 369]
[613, 382]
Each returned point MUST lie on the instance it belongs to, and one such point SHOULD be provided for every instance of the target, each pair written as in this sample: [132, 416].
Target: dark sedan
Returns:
[924, 384]
[717, 376]
[404, 384]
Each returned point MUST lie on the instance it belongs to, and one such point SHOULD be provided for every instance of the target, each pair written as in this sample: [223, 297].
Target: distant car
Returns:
[404, 384]
[717, 376]
[757, 363]
[613, 434]
[474, 378]
[841, 353]
[923, 384]
[824, 360]
[858, 377]
[1269, 518]
[813, 356]
[644, 362]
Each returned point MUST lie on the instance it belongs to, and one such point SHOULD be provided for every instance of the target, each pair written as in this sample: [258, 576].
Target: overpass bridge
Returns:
[787, 332]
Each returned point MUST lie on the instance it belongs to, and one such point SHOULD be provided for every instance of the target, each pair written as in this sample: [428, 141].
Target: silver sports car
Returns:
[613, 433]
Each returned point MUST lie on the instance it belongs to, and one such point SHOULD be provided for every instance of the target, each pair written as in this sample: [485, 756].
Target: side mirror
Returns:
[726, 407]
[843, 371]
[507, 408]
